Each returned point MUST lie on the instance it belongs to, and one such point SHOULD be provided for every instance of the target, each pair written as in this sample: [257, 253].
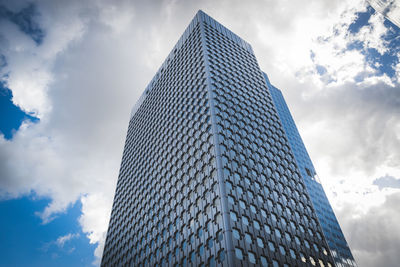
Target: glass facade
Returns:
[330, 226]
[208, 176]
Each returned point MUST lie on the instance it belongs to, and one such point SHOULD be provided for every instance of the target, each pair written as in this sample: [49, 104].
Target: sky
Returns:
[70, 72]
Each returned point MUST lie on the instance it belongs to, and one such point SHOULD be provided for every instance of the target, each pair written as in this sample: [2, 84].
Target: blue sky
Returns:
[13, 115]
[388, 60]
[26, 241]
[71, 71]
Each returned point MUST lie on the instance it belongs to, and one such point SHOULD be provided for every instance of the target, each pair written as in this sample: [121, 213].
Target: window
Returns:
[200, 232]
[297, 240]
[210, 243]
[201, 250]
[263, 213]
[292, 254]
[248, 238]
[236, 176]
[217, 203]
[260, 242]
[242, 204]
[267, 229]
[253, 209]
[278, 233]
[306, 244]
[282, 250]
[252, 257]
[271, 246]
[211, 262]
[312, 261]
[319, 236]
[233, 216]
[220, 236]
[235, 233]
[279, 207]
[309, 229]
[218, 218]
[239, 190]
[231, 199]
[239, 253]
[245, 220]
[221, 256]
[191, 238]
[264, 261]
[287, 236]
[303, 259]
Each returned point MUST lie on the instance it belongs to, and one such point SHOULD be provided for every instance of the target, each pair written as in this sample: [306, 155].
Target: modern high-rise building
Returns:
[330, 226]
[208, 175]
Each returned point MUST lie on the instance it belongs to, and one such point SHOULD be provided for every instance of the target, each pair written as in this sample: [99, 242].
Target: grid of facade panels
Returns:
[331, 229]
[207, 175]
[167, 208]
[272, 222]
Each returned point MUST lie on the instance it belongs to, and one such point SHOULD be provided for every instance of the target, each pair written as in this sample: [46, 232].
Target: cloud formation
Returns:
[62, 239]
[375, 234]
[96, 57]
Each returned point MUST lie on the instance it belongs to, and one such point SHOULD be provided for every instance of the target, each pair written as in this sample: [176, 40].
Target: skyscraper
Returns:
[208, 176]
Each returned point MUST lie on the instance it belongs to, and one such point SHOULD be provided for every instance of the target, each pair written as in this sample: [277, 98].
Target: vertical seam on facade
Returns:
[224, 203]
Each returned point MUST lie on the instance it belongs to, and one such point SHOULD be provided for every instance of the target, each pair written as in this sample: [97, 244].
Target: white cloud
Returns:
[375, 233]
[63, 239]
[60, 242]
[29, 66]
[97, 57]
[94, 219]
[372, 35]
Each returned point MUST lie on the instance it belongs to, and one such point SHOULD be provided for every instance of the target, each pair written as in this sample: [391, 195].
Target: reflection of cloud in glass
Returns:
[389, 8]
